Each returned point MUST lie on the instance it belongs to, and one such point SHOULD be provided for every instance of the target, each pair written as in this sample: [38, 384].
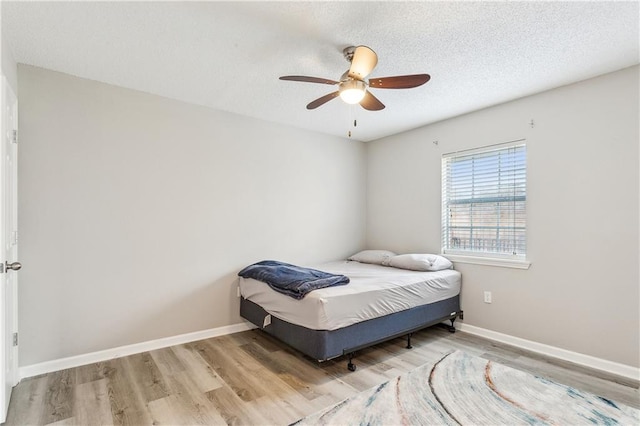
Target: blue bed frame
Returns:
[323, 345]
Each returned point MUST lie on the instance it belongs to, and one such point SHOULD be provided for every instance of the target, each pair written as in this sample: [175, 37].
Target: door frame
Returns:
[8, 350]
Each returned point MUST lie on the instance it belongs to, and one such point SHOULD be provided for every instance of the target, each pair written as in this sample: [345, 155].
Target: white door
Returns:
[9, 248]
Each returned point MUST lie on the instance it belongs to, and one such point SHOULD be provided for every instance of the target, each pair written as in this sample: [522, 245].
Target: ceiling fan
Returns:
[354, 84]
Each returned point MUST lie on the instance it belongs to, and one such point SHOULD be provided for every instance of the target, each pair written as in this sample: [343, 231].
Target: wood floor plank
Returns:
[252, 378]
[167, 362]
[233, 409]
[91, 405]
[91, 372]
[167, 411]
[263, 380]
[187, 401]
[26, 406]
[146, 375]
[335, 391]
[234, 373]
[235, 366]
[286, 371]
[71, 421]
[200, 372]
[267, 342]
[363, 378]
[278, 411]
[172, 410]
[127, 405]
[59, 397]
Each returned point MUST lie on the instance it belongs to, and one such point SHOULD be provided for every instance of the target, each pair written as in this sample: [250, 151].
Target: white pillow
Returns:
[377, 257]
[420, 262]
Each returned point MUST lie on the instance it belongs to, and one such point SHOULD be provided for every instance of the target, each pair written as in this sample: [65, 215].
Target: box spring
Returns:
[326, 344]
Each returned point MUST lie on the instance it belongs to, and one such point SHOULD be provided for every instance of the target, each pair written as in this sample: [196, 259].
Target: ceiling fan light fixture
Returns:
[352, 91]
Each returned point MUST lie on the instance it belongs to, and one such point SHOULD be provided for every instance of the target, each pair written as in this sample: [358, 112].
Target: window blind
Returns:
[484, 193]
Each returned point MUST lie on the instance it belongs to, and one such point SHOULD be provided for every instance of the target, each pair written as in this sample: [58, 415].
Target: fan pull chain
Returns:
[352, 113]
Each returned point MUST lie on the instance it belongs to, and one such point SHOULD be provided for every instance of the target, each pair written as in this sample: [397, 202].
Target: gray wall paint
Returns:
[136, 211]
[8, 64]
[582, 290]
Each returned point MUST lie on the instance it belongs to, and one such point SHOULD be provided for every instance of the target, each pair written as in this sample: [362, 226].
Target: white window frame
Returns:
[469, 256]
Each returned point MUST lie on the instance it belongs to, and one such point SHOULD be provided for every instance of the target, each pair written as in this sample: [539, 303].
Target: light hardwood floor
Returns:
[251, 378]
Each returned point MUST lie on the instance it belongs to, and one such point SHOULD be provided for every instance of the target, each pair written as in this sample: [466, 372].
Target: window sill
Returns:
[489, 261]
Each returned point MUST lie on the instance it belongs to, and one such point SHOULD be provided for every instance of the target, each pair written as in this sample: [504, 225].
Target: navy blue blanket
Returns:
[292, 280]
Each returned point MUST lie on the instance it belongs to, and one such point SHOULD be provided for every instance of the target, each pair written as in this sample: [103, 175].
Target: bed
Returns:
[379, 303]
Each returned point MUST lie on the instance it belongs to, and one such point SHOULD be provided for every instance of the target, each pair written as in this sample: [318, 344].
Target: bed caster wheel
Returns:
[452, 329]
[351, 367]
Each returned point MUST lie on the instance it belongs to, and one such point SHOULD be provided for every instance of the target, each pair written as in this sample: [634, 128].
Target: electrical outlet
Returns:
[487, 297]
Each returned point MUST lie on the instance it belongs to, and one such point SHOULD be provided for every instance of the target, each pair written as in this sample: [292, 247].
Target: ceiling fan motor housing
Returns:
[348, 53]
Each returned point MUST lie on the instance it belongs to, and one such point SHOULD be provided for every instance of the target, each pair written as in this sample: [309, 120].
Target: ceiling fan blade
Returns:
[399, 82]
[308, 79]
[363, 62]
[371, 103]
[323, 100]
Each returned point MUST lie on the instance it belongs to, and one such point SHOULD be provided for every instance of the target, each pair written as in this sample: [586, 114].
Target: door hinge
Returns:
[15, 339]
[14, 136]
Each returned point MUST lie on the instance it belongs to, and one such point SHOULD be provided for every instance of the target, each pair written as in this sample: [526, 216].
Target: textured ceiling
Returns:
[229, 55]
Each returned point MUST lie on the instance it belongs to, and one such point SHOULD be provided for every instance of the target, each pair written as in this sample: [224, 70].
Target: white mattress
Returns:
[374, 291]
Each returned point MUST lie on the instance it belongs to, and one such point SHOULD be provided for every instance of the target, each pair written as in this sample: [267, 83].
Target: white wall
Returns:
[7, 63]
[582, 290]
[136, 211]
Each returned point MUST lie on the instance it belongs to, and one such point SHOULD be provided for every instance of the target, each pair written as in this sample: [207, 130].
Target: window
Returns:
[484, 194]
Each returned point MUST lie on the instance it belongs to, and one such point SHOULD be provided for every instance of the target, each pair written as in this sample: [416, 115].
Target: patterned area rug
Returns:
[461, 389]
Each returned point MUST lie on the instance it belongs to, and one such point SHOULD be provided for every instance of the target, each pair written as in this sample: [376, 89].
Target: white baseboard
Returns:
[107, 354]
[555, 352]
